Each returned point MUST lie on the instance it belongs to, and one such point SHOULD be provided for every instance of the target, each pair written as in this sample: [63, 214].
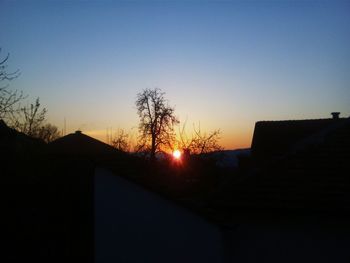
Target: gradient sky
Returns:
[225, 64]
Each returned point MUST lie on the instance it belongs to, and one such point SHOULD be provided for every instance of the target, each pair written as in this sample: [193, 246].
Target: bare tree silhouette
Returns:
[199, 142]
[157, 120]
[48, 133]
[30, 119]
[120, 141]
[9, 99]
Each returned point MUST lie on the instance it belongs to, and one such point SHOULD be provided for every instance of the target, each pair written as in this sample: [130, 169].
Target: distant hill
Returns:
[224, 158]
[228, 158]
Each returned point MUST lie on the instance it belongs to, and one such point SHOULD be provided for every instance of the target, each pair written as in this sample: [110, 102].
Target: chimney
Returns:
[335, 115]
[78, 132]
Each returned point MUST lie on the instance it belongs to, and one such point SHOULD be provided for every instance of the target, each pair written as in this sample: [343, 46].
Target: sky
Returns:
[223, 64]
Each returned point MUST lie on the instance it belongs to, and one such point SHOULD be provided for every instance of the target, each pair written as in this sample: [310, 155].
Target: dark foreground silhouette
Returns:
[288, 201]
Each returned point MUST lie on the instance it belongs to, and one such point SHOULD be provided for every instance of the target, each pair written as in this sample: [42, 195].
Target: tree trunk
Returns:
[153, 148]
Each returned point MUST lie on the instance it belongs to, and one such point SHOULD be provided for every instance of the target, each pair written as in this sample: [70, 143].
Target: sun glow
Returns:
[177, 155]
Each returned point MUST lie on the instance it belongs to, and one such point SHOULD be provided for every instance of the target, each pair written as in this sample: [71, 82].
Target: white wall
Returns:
[135, 225]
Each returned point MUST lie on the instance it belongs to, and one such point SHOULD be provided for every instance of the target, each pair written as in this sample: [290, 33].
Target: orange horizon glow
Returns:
[238, 140]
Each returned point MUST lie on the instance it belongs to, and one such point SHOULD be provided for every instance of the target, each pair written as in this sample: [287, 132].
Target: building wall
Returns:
[291, 242]
[135, 225]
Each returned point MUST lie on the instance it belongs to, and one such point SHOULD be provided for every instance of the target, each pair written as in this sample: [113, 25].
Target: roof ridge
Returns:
[298, 120]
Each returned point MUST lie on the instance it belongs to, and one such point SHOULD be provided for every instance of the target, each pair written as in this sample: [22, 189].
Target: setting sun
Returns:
[177, 154]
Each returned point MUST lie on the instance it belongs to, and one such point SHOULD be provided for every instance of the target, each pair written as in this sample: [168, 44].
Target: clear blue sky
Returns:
[226, 64]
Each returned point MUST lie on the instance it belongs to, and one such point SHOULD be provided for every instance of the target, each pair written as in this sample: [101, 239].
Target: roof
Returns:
[5, 130]
[276, 138]
[80, 144]
[13, 141]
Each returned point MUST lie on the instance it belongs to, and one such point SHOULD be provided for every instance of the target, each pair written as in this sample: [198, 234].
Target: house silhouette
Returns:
[274, 139]
[298, 167]
[14, 142]
[78, 143]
